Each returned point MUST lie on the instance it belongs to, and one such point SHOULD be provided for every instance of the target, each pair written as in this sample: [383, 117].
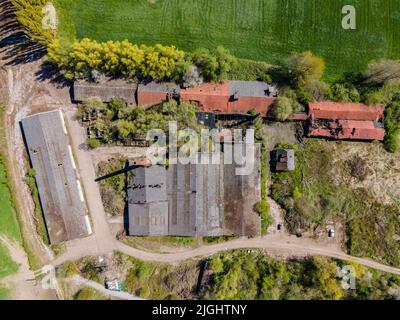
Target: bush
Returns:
[263, 209]
[93, 143]
[68, 270]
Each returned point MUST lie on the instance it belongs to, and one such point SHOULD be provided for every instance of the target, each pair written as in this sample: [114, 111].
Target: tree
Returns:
[303, 68]
[286, 104]
[318, 90]
[282, 108]
[116, 59]
[325, 278]
[192, 77]
[383, 72]
[30, 15]
[214, 66]
[392, 127]
[344, 93]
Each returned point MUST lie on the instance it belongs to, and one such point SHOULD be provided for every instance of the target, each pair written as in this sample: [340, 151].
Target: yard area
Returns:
[357, 183]
[265, 30]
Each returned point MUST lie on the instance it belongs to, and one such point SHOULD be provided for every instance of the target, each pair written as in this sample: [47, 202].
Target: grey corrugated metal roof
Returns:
[167, 87]
[149, 185]
[62, 206]
[210, 200]
[84, 90]
[149, 219]
[252, 89]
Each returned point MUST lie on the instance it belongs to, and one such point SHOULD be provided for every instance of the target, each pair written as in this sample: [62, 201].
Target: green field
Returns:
[265, 30]
[8, 227]
[8, 219]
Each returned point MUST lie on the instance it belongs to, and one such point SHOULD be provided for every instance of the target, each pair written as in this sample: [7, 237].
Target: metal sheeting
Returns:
[62, 206]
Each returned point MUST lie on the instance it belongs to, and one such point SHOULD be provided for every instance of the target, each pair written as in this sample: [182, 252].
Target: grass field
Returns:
[8, 227]
[8, 220]
[266, 30]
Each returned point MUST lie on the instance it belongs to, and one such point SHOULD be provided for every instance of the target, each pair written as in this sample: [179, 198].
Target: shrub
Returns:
[93, 143]
[263, 209]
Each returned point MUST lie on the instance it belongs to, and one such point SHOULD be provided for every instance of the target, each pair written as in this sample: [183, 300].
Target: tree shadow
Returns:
[16, 46]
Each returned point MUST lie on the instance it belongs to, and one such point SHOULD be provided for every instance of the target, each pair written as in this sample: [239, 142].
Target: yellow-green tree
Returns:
[304, 68]
[30, 15]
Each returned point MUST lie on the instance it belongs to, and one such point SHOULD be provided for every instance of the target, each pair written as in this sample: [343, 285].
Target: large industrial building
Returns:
[60, 191]
[195, 200]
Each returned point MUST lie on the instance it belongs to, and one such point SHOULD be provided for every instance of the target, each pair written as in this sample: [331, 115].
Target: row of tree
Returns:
[130, 61]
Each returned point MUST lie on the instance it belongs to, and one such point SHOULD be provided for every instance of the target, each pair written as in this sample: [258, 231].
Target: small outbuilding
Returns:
[283, 160]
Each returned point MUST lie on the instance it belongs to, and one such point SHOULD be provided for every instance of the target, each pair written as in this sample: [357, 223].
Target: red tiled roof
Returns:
[346, 111]
[216, 97]
[350, 130]
[148, 99]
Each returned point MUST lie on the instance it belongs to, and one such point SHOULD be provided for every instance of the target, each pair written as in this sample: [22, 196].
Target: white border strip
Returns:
[88, 226]
[72, 157]
[80, 191]
[63, 122]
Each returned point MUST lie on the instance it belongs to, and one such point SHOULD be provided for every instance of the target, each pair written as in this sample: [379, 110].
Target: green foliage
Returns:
[250, 70]
[318, 90]
[312, 194]
[93, 143]
[239, 275]
[89, 294]
[263, 209]
[392, 127]
[30, 15]
[216, 65]
[116, 59]
[304, 68]
[325, 278]
[286, 104]
[122, 123]
[40, 223]
[344, 93]
[67, 270]
[113, 189]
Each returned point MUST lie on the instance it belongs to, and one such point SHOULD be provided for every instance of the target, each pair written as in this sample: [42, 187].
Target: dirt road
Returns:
[23, 285]
[102, 241]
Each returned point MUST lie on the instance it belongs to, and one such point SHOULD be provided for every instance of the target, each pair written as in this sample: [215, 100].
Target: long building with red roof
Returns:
[346, 121]
[346, 111]
[228, 97]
